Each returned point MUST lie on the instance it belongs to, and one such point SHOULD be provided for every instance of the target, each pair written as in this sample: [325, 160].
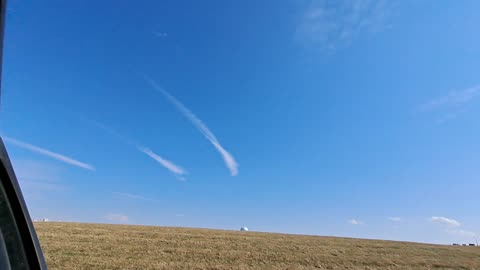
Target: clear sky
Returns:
[355, 118]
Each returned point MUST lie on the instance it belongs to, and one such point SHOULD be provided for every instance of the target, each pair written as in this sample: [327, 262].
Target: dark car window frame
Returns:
[23, 223]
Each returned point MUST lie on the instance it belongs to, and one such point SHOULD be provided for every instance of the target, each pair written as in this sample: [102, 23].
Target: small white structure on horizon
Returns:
[45, 220]
[244, 229]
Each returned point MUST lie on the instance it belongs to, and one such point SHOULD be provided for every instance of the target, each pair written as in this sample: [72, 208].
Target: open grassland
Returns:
[98, 246]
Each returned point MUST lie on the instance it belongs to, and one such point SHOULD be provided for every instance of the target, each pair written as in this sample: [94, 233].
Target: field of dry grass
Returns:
[96, 246]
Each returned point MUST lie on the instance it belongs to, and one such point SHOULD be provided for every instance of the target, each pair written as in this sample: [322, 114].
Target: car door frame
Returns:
[12, 189]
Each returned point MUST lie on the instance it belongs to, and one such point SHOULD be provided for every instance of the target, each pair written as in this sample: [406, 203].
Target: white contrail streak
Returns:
[132, 196]
[229, 160]
[177, 170]
[48, 153]
[111, 131]
[165, 163]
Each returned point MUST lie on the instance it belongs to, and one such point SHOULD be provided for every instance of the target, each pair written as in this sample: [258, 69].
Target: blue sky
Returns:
[356, 118]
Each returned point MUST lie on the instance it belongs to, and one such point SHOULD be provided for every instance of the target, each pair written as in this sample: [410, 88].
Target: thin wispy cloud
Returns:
[453, 99]
[330, 24]
[48, 153]
[394, 219]
[355, 222]
[117, 218]
[445, 221]
[133, 196]
[453, 227]
[169, 165]
[229, 160]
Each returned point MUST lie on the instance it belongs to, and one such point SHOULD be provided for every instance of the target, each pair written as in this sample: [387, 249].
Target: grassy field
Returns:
[96, 246]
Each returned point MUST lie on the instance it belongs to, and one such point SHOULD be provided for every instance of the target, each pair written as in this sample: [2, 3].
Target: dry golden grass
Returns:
[97, 246]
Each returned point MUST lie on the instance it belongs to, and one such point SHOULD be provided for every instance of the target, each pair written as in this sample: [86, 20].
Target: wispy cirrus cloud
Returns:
[132, 196]
[445, 221]
[48, 153]
[452, 99]
[229, 160]
[355, 222]
[330, 24]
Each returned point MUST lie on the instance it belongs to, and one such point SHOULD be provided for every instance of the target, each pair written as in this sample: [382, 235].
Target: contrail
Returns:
[229, 160]
[132, 196]
[110, 131]
[48, 153]
[165, 163]
[177, 170]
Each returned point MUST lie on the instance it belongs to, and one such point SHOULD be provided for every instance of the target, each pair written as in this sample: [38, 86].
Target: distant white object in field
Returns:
[45, 220]
[244, 229]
